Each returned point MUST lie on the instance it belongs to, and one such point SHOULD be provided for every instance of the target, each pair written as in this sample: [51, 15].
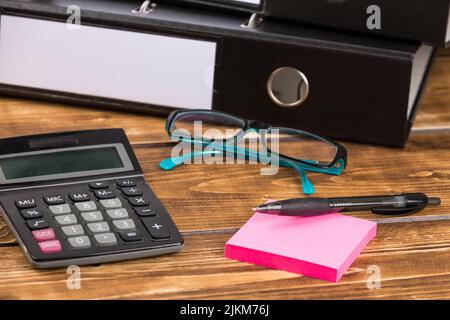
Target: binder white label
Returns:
[100, 62]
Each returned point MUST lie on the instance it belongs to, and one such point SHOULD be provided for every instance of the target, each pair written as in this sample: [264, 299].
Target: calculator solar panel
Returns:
[72, 201]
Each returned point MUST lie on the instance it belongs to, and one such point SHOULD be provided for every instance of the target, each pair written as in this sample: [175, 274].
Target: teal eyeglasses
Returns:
[219, 133]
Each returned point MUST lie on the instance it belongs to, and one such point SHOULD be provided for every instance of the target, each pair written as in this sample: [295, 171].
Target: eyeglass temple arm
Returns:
[170, 163]
[307, 186]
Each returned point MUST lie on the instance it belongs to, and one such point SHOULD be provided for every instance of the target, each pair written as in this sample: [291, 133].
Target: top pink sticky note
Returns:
[322, 247]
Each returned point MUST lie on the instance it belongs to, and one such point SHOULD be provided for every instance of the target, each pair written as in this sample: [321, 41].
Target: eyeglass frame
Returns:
[340, 158]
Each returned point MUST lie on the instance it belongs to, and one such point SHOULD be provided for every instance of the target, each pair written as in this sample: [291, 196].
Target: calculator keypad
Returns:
[99, 218]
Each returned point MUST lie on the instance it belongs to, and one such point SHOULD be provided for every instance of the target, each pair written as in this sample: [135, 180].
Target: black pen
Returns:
[387, 205]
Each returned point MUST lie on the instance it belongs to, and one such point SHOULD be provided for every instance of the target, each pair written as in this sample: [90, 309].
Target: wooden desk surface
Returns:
[210, 203]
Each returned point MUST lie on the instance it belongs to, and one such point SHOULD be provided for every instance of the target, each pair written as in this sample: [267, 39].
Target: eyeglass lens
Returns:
[300, 145]
[210, 126]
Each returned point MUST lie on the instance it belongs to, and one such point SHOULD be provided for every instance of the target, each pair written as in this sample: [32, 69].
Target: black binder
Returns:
[342, 86]
[419, 20]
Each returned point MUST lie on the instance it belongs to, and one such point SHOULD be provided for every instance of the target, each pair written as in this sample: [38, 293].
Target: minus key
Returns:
[145, 212]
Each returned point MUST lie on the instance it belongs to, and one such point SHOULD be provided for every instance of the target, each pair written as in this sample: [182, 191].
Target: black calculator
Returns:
[80, 198]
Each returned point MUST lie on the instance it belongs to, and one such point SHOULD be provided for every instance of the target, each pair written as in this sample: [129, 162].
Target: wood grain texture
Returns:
[443, 52]
[209, 203]
[24, 117]
[230, 190]
[412, 257]
[434, 111]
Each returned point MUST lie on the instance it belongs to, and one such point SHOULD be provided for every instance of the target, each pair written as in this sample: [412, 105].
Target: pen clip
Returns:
[390, 210]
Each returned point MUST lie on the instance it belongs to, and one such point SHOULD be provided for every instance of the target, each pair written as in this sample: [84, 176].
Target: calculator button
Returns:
[156, 228]
[98, 227]
[132, 192]
[111, 203]
[82, 242]
[139, 202]
[126, 183]
[105, 194]
[26, 203]
[31, 213]
[75, 230]
[105, 239]
[98, 185]
[54, 199]
[145, 211]
[92, 216]
[86, 206]
[117, 213]
[52, 246]
[43, 235]
[124, 225]
[37, 224]
[130, 236]
[60, 209]
[79, 196]
[67, 219]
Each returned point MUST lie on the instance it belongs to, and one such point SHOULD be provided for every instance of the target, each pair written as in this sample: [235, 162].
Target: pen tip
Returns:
[434, 201]
[254, 209]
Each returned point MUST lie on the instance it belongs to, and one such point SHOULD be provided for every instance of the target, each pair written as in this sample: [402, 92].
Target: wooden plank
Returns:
[218, 197]
[24, 117]
[414, 260]
[435, 107]
[443, 52]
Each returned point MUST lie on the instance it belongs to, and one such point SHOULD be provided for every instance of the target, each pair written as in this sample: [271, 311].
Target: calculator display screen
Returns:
[64, 163]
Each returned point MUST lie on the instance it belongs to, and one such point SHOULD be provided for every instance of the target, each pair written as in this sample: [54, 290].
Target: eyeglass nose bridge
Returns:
[255, 124]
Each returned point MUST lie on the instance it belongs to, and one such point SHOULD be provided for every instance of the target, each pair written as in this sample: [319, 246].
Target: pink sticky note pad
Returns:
[321, 247]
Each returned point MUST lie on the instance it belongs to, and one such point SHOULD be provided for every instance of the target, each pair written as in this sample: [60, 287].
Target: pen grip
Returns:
[305, 207]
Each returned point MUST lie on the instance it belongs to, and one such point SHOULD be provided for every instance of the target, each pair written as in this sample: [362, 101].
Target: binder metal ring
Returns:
[146, 7]
[302, 90]
[255, 20]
